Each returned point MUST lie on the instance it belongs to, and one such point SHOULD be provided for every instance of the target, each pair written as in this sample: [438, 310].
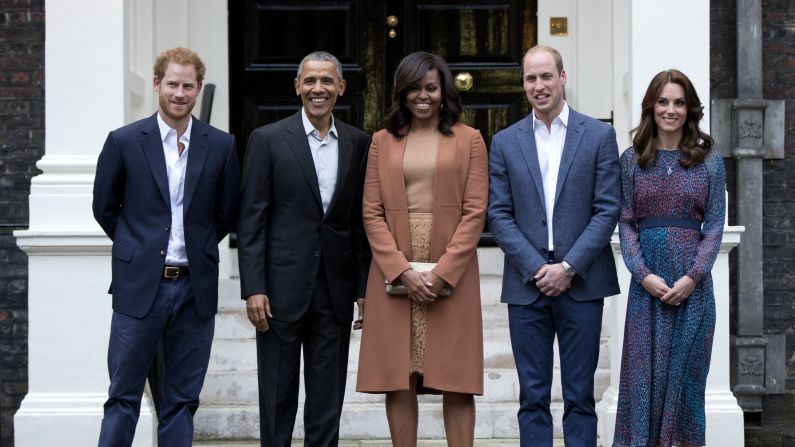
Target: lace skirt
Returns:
[420, 224]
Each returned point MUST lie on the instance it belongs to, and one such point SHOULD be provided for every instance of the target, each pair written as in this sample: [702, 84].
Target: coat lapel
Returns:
[573, 137]
[345, 153]
[397, 184]
[446, 155]
[197, 154]
[152, 147]
[527, 141]
[296, 139]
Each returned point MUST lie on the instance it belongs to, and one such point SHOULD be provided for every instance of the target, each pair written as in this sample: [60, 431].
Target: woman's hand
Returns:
[436, 283]
[418, 288]
[681, 291]
[655, 285]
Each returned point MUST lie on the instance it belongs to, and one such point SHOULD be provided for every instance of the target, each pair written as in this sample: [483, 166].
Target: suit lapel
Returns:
[152, 147]
[345, 153]
[197, 154]
[296, 139]
[527, 141]
[573, 137]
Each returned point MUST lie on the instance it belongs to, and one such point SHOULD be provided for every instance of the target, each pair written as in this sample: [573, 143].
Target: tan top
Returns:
[419, 169]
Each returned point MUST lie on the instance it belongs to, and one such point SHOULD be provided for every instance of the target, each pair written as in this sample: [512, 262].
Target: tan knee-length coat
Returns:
[454, 337]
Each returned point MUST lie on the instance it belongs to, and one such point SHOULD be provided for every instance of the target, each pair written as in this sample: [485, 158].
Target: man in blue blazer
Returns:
[553, 205]
[166, 192]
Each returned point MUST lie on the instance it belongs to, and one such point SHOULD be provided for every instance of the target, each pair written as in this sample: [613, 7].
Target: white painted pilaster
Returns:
[69, 268]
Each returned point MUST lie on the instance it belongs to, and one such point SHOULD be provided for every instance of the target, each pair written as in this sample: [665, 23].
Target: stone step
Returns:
[499, 385]
[378, 443]
[240, 354]
[231, 320]
[229, 292]
[364, 421]
[234, 324]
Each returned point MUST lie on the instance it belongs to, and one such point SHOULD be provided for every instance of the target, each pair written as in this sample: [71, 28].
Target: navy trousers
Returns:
[186, 344]
[533, 328]
[325, 340]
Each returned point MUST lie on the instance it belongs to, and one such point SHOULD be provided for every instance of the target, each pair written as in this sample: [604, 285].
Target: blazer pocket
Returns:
[122, 251]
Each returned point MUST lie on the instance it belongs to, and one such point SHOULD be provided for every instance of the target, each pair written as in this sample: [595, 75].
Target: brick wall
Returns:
[776, 427]
[21, 144]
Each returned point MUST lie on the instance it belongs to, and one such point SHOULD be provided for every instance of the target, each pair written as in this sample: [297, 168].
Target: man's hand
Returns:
[551, 279]
[681, 291]
[418, 288]
[258, 309]
[359, 323]
[655, 285]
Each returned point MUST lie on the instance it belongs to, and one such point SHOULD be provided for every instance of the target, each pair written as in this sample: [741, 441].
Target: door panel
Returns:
[484, 38]
[483, 41]
[268, 39]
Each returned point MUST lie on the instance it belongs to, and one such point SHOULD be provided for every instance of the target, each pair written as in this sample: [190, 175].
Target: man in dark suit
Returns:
[303, 254]
[166, 192]
[553, 205]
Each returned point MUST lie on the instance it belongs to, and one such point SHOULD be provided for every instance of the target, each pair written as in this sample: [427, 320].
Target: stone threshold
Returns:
[376, 443]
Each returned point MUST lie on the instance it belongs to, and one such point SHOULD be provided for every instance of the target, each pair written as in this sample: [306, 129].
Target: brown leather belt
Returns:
[175, 271]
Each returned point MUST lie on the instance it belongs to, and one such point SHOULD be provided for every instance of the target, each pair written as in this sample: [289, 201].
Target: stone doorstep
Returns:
[241, 355]
[500, 385]
[380, 443]
[234, 324]
[229, 292]
[365, 421]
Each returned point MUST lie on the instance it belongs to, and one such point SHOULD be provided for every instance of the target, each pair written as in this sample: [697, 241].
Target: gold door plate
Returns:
[559, 26]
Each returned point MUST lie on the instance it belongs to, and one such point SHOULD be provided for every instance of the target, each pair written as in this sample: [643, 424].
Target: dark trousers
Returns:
[186, 342]
[533, 328]
[325, 342]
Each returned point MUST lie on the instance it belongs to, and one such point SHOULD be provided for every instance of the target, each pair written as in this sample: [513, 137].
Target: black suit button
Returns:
[162, 252]
[168, 228]
[316, 253]
[544, 223]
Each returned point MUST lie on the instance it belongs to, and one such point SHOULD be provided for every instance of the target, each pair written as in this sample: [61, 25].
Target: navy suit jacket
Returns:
[133, 207]
[284, 234]
[587, 204]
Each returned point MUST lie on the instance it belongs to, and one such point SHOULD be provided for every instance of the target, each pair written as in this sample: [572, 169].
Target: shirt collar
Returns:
[165, 129]
[309, 128]
[563, 117]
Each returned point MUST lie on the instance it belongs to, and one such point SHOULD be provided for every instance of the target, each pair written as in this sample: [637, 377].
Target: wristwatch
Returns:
[568, 269]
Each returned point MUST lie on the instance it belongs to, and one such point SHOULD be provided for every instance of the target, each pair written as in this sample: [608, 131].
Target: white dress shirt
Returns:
[175, 170]
[549, 145]
[325, 155]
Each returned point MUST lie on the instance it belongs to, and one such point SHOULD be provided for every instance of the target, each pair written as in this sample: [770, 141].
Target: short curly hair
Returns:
[181, 56]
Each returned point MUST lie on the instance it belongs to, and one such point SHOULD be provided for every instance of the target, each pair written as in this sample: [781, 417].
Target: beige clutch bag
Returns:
[397, 287]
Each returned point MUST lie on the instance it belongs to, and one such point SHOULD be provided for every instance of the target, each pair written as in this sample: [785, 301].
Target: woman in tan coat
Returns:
[425, 195]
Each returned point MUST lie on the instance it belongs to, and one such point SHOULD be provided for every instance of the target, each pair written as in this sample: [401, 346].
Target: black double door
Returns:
[483, 41]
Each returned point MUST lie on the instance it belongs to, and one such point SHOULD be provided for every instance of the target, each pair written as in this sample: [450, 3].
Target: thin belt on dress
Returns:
[665, 221]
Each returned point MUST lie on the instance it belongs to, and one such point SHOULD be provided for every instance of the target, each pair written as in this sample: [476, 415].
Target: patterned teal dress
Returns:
[671, 225]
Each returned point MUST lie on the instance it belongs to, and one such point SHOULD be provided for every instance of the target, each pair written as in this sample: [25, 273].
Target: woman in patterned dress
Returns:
[425, 194]
[671, 226]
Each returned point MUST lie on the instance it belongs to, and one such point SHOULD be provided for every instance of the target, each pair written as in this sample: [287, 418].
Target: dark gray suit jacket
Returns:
[283, 233]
